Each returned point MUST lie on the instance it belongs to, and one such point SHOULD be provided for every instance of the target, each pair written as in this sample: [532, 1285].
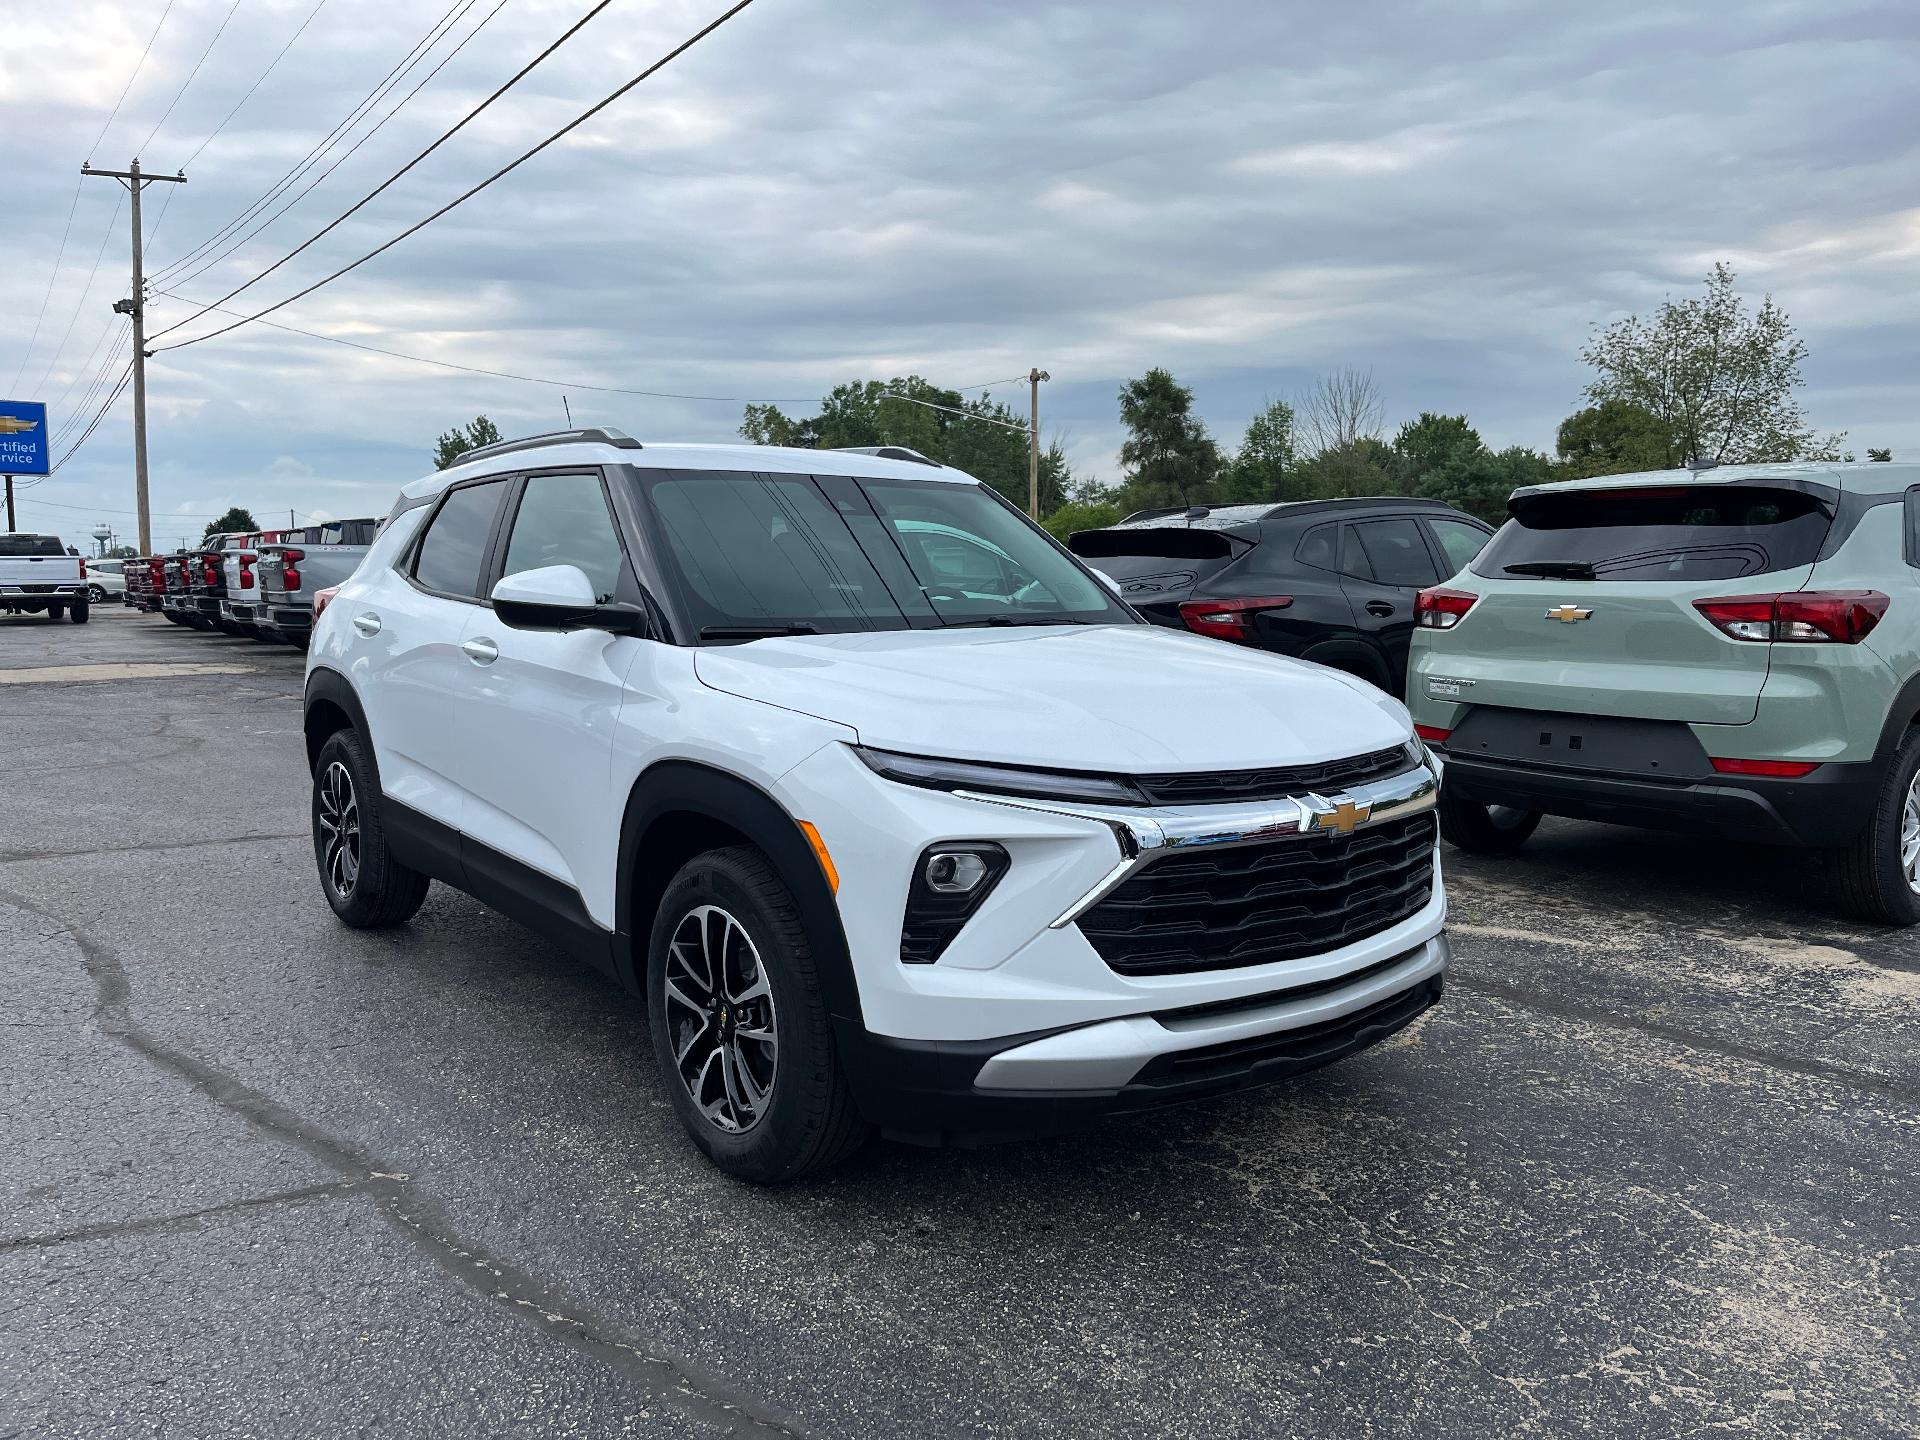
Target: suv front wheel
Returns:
[1877, 877]
[365, 885]
[740, 1030]
[1485, 829]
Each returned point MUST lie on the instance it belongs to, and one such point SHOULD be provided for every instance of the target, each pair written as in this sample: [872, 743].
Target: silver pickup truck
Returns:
[301, 563]
[37, 573]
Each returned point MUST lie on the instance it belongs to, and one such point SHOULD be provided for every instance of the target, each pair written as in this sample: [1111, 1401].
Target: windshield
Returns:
[1674, 532]
[757, 554]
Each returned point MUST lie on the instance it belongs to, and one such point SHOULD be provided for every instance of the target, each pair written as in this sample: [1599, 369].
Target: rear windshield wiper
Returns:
[1553, 569]
[756, 632]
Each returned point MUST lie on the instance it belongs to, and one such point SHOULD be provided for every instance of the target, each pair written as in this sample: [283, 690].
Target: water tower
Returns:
[102, 536]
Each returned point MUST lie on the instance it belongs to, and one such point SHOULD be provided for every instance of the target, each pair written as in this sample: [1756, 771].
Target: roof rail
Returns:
[889, 452]
[591, 435]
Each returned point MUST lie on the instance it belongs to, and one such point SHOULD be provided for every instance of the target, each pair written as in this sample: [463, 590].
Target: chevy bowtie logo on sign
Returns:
[1568, 614]
[1342, 816]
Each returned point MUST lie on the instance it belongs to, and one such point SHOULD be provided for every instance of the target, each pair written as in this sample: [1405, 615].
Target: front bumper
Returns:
[974, 1092]
[1826, 808]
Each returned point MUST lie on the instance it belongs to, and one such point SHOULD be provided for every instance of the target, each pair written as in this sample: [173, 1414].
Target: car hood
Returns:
[1114, 698]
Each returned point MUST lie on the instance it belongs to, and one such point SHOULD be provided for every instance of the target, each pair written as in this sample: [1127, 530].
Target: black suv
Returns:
[1332, 581]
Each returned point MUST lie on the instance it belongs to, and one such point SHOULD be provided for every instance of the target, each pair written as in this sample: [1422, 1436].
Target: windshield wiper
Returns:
[1014, 620]
[756, 632]
[1553, 569]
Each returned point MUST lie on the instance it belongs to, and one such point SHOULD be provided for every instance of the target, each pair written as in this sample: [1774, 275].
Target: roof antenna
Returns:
[569, 409]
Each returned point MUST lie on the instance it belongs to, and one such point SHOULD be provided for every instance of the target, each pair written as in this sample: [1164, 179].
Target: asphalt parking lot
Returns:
[1648, 1170]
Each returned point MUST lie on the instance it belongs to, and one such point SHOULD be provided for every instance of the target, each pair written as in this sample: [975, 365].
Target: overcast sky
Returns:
[1245, 192]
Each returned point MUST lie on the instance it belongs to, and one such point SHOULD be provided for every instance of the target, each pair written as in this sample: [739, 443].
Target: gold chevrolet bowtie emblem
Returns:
[1568, 614]
[1344, 817]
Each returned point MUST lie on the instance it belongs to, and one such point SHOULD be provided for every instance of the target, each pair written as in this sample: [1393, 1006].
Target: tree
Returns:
[1720, 381]
[237, 520]
[1614, 437]
[1263, 469]
[457, 441]
[1433, 444]
[1168, 455]
[1080, 515]
[1341, 409]
[1479, 483]
[981, 435]
[1364, 467]
[1873, 454]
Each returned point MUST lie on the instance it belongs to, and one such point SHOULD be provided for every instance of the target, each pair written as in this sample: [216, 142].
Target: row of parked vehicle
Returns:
[266, 583]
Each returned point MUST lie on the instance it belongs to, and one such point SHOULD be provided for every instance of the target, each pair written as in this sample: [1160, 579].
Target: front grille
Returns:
[1271, 784]
[1223, 909]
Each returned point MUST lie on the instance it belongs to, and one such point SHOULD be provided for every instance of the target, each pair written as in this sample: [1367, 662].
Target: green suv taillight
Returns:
[1844, 617]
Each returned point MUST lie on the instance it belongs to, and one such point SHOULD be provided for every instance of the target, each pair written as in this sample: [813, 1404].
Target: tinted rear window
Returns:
[1678, 532]
[1166, 542]
[30, 545]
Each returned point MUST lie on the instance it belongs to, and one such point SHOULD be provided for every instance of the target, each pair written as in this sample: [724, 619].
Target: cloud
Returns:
[1243, 192]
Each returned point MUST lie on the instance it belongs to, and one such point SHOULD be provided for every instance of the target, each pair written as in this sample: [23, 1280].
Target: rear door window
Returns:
[455, 544]
[1459, 542]
[1396, 552]
[1913, 526]
[1672, 532]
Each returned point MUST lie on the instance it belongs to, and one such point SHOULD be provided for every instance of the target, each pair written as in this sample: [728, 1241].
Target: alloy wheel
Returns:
[339, 820]
[1910, 835]
[720, 1018]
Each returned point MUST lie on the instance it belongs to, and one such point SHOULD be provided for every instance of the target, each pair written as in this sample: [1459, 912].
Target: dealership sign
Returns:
[23, 438]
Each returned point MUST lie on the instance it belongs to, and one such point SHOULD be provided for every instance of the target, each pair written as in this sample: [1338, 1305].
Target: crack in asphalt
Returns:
[185, 1221]
[1692, 1040]
[9, 857]
[415, 1216]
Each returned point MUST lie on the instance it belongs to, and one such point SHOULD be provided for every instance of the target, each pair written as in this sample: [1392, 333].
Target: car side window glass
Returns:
[1353, 560]
[1319, 548]
[563, 520]
[1397, 553]
[1913, 526]
[455, 544]
[1459, 541]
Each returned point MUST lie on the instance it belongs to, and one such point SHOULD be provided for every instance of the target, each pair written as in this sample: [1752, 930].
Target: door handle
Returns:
[367, 624]
[1379, 607]
[481, 650]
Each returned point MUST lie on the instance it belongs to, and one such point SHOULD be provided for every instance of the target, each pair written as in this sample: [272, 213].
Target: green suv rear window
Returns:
[1669, 532]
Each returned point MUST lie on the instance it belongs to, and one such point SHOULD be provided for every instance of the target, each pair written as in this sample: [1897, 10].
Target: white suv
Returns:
[893, 815]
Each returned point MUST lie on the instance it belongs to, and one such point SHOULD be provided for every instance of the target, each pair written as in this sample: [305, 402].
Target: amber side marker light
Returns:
[820, 854]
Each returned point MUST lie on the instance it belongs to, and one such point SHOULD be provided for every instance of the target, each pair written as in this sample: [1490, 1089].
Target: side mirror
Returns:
[560, 597]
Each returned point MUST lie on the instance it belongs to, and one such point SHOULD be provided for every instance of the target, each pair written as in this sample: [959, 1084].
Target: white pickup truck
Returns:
[37, 575]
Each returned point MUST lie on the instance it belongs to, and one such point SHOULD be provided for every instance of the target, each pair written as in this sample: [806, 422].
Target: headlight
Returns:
[936, 774]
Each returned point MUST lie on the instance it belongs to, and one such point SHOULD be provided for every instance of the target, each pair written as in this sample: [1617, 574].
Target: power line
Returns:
[118, 322]
[139, 65]
[468, 194]
[61, 254]
[85, 290]
[99, 415]
[271, 64]
[210, 261]
[520, 75]
[73, 421]
[306, 162]
[187, 83]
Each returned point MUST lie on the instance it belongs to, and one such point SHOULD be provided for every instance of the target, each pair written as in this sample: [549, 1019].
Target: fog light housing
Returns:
[949, 883]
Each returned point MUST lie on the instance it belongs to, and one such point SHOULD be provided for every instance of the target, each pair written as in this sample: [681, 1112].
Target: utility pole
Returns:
[10, 521]
[137, 308]
[1034, 377]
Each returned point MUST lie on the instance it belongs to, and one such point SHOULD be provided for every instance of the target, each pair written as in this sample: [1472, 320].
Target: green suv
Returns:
[1734, 651]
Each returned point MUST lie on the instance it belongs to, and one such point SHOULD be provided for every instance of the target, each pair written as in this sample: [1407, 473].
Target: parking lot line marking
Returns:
[148, 670]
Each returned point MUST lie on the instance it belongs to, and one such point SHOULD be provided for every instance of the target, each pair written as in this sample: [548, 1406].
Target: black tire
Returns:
[364, 884]
[1871, 878]
[77, 613]
[807, 1119]
[54, 612]
[1484, 829]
